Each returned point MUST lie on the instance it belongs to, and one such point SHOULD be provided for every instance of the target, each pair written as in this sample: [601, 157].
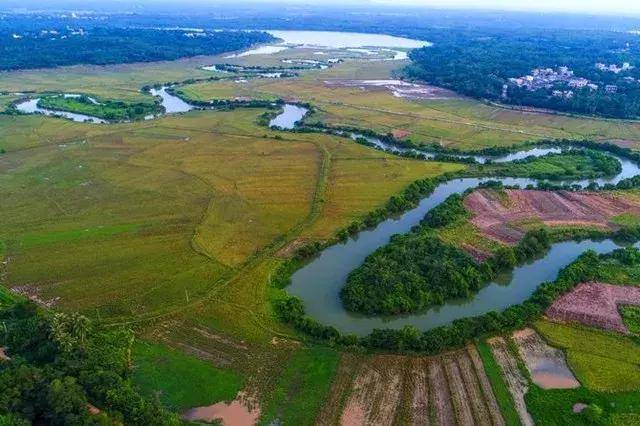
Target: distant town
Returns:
[564, 81]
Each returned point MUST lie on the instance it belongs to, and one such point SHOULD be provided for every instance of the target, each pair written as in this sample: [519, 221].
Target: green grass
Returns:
[182, 381]
[6, 297]
[302, 387]
[631, 317]
[32, 240]
[554, 407]
[607, 366]
[627, 220]
[572, 165]
[500, 390]
[602, 361]
[612, 271]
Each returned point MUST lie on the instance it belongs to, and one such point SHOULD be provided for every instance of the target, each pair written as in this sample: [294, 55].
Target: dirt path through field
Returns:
[485, 385]
[515, 381]
[472, 387]
[441, 398]
[461, 400]
[420, 392]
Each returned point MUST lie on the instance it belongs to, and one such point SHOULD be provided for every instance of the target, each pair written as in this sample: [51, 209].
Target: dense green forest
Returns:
[479, 63]
[418, 270]
[61, 369]
[22, 49]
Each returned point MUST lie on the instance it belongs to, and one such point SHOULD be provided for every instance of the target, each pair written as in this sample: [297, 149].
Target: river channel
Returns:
[318, 283]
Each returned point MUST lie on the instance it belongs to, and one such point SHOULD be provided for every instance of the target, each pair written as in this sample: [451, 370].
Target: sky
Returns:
[604, 7]
[609, 7]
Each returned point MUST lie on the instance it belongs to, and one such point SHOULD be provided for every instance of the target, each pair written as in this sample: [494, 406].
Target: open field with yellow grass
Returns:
[456, 123]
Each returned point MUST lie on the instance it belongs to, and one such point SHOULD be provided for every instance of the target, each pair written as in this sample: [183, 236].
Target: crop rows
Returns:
[444, 390]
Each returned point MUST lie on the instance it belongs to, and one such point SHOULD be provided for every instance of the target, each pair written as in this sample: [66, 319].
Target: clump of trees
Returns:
[574, 164]
[418, 270]
[112, 110]
[64, 370]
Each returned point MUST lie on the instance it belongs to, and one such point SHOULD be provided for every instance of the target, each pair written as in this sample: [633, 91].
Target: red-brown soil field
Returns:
[595, 304]
[503, 216]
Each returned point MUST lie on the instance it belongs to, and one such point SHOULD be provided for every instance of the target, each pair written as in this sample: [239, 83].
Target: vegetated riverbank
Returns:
[110, 110]
[292, 309]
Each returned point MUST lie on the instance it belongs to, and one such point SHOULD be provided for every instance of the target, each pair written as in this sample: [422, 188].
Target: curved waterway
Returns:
[31, 107]
[172, 104]
[289, 116]
[318, 283]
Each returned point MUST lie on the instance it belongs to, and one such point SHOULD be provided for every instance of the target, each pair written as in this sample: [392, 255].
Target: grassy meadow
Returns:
[457, 123]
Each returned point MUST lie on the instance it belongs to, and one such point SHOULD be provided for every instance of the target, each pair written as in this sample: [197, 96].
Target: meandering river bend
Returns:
[318, 283]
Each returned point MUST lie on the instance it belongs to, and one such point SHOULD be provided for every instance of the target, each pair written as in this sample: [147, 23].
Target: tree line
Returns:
[103, 46]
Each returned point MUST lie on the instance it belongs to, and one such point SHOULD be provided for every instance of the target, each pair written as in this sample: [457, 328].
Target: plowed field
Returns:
[504, 217]
[595, 304]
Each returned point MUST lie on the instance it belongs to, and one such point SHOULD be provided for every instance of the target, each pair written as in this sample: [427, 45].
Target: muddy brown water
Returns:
[547, 365]
[239, 412]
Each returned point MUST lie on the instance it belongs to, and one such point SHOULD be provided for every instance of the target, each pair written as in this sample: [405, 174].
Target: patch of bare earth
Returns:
[332, 408]
[400, 133]
[291, 248]
[3, 354]
[441, 396]
[459, 396]
[516, 383]
[485, 385]
[595, 304]
[242, 411]
[444, 390]
[32, 292]
[375, 393]
[419, 392]
[501, 217]
[547, 365]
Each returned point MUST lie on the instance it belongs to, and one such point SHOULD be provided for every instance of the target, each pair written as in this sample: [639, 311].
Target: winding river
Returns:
[318, 283]
[172, 104]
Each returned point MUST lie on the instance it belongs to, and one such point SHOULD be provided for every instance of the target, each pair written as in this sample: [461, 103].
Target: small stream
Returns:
[172, 104]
